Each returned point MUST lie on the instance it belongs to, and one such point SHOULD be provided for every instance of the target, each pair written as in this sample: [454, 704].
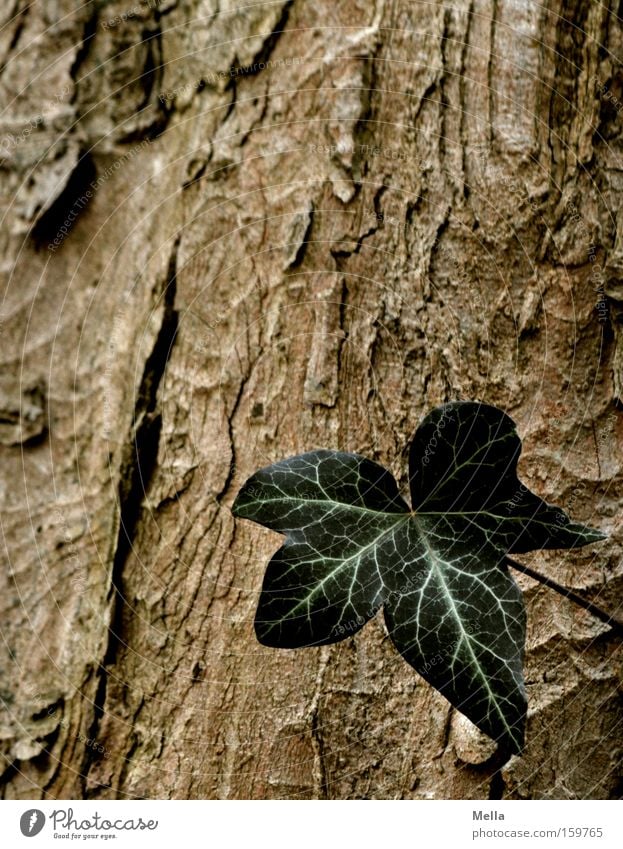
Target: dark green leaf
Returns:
[461, 624]
[463, 460]
[340, 513]
[352, 545]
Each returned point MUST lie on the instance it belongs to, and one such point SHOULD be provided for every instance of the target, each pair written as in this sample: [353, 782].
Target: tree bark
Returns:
[289, 226]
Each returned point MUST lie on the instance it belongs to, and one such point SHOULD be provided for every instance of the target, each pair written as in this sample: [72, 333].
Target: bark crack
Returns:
[444, 101]
[340, 254]
[21, 15]
[136, 470]
[270, 42]
[89, 32]
[463, 99]
[491, 58]
[230, 435]
[72, 200]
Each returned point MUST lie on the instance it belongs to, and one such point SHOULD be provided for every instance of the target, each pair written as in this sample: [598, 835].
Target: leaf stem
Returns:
[613, 623]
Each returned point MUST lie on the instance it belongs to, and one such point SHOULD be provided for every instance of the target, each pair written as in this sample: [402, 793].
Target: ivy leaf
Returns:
[352, 546]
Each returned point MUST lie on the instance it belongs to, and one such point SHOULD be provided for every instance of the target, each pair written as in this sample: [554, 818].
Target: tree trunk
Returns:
[233, 235]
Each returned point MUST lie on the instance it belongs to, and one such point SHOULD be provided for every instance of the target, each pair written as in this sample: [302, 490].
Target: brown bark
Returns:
[383, 207]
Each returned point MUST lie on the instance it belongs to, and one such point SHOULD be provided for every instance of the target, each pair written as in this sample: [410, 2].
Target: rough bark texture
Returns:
[381, 208]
